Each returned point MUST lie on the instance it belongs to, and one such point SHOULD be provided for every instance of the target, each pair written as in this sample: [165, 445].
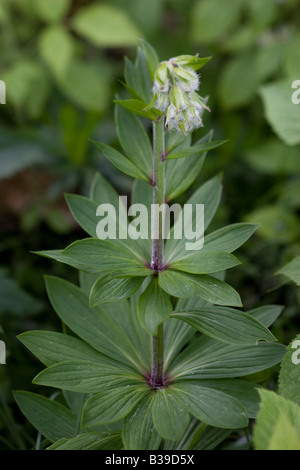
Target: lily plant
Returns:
[156, 350]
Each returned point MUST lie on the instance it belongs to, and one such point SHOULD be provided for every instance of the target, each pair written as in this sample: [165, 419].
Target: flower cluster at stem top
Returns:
[175, 95]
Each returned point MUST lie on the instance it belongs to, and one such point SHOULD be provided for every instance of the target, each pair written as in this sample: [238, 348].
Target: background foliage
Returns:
[61, 61]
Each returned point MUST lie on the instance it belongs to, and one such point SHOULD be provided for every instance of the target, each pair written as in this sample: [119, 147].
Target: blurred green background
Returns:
[62, 62]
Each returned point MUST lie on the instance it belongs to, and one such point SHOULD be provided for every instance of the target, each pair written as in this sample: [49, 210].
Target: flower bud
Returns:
[175, 86]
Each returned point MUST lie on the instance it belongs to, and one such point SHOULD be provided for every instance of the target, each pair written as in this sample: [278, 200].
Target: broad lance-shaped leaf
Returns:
[94, 325]
[109, 407]
[207, 358]
[211, 438]
[121, 162]
[208, 288]
[51, 347]
[51, 419]
[171, 282]
[229, 238]
[195, 149]
[154, 307]
[151, 57]
[244, 391]
[111, 289]
[278, 423]
[138, 77]
[292, 270]
[226, 324]
[208, 194]
[181, 173]
[266, 314]
[90, 441]
[84, 211]
[94, 255]
[170, 414]
[289, 377]
[212, 406]
[87, 376]
[134, 139]
[139, 107]
[204, 263]
[139, 432]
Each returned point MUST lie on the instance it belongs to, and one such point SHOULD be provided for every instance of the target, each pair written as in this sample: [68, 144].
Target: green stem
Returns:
[157, 260]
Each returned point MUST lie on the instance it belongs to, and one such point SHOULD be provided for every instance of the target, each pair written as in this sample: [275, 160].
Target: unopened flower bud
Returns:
[175, 86]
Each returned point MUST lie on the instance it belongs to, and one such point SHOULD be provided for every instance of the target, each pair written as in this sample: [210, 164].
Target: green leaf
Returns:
[138, 107]
[176, 337]
[208, 288]
[276, 224]
[289, 377]
[134, 140]
[215, 291]
[195, 149]
[53, 11]
[84, 212]
[212, 406]
[171, 282]
[238, 82]
[51, 347]
[205, 262]
[87, 376]
[20, 79]
[154, 307]
[273, 157]
[102, 192]
[110, 407]
[277, 426]
[229, 238]
[208, 194]
[90, 441]
[139, 432]
[138, 77]
[266, 314]
[113, 289]
[281, 113]
[151, 57]
[105, 26]
[209, 23]
[56, 48]
[94, 325]
[51, 419]
[208, 358]
[170, 414]
[292, 270]
[210, 438]
[181, 173]
[62, 258]
[96, 81]
[95, 255]
[242, 390]
[226, 324]
[120, 161]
